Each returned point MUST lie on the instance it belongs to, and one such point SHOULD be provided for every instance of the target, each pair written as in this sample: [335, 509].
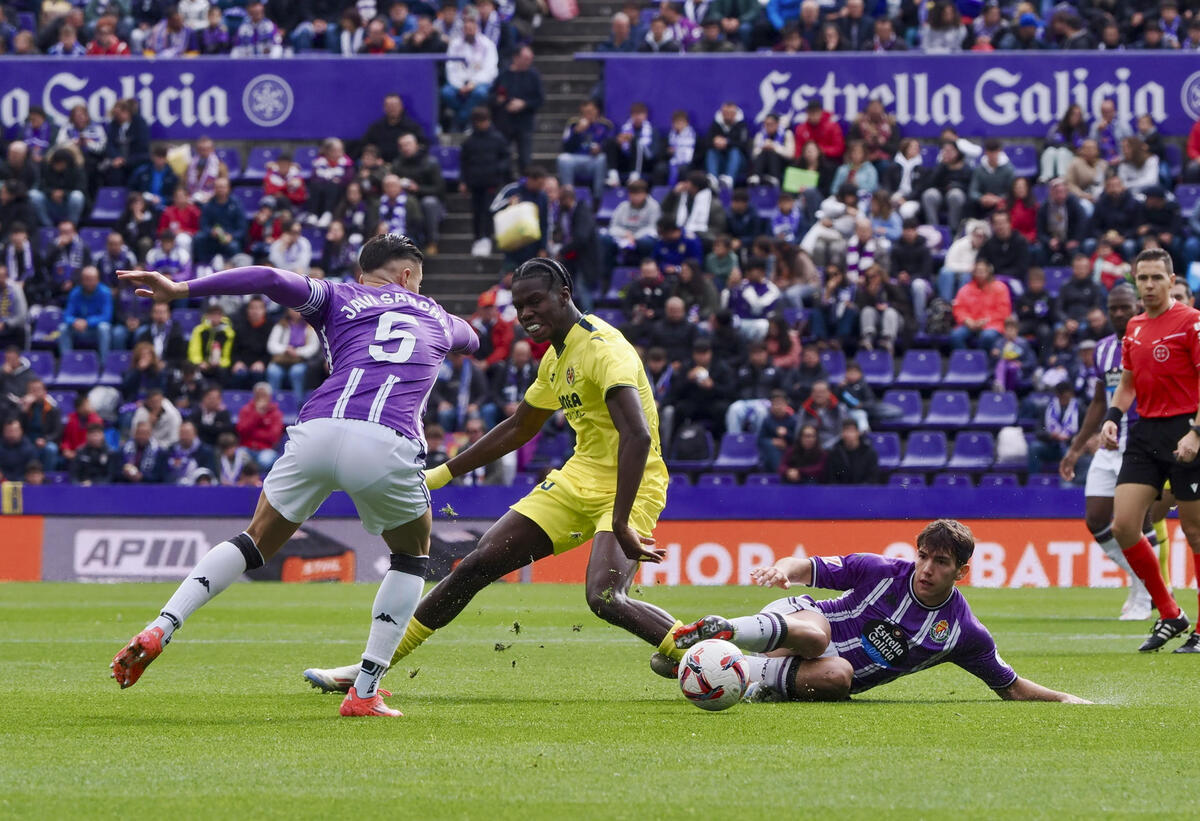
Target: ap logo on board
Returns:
[268, 100]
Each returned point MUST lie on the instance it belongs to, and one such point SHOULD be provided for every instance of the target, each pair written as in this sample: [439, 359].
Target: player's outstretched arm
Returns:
[784, 573]
[289, 289]
[1090, 426]
[1025, 690]
[633, 448]
[506, 437]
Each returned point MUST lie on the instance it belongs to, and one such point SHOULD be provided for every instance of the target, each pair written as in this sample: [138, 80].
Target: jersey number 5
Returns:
[388, 330]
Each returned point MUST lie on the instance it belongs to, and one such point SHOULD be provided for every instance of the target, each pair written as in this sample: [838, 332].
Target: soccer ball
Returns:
[713, 675]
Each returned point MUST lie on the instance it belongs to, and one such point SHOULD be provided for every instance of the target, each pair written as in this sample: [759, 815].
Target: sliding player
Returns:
[613, 488]
[1160, 360]
[1106, 464]
[360, 432]
[896, 618]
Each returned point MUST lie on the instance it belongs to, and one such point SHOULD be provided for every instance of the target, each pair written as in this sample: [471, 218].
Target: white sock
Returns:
[216, 570]
[770, 671]
[760, 633]
[394, 605]
[1108, 544]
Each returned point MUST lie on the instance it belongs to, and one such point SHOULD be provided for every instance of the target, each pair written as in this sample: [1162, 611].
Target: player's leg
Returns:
[791, 625]
[1130, 505]
[1158, 522]
[1098, 513]
[391, 611]
[610, 573]
[1189, 522]
[220, 567]
[792, 678]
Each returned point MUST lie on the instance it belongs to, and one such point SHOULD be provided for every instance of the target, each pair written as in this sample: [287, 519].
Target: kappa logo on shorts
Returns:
[1194, 486]
[1161, 353]
[576, 536]
[940, 631]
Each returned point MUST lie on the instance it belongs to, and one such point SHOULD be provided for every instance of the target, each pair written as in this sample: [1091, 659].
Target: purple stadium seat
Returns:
[26, 21]
[762, 479]
[621, 277]
[952, 480]
[1174, 157]
[998, 480]
[909, 404]
[1043, 480]
[256, 162]
[110, 202]
[683, 437]
[612, 316]
[887, 445]
[57, 477]
[926, 451]
[907, 480]
[835, 365]
[717, 480]
[995, 410]
[41, 363]
[612, 198]
[929, 154]
[78, 368]
[524, 480]
[186, 319]
[973, 451]
[236, 400]
[764, 198]
[877, 367]
[739, 452]
[583, 195]
[1024, 159]
[65, 401]
[94, 239]
[115, 365]
[550, 451]
[920, 369]
[1187, 196]
[248, 198]
[449, 157]
[232, 160]
[680, 479]
[948, 409]
[726, 197]
[288, 407]
[1055, 277]
[967, 369]
[45, 328]
[45, 238]
[304, 156]
[659, 192]
[316, 238]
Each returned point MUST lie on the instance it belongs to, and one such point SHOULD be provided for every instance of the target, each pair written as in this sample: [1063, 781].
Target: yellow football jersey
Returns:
[596, 358]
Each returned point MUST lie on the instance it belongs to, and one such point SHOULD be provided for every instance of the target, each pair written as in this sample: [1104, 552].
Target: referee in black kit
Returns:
[1160, 362]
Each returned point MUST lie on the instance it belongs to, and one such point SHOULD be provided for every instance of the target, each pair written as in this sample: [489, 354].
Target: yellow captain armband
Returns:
[439, 476]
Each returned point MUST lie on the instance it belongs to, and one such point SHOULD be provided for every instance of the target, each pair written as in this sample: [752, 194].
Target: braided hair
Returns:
[550, 271]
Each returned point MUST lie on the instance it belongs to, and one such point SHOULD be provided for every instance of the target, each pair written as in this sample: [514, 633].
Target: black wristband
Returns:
[1114, 415]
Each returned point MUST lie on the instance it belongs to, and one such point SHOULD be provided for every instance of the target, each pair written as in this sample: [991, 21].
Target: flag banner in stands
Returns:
[1009, 552]
[1003, 94]
[301, 98]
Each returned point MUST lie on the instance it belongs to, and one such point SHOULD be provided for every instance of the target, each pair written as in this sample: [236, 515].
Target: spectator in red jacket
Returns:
[1191, 168]
[75, 430]
[820, 127]
[496, 334]
[285, 181]
[980, 308]
[260, 426]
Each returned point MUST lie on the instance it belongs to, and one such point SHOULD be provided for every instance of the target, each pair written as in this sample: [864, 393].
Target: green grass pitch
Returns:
[566, 721]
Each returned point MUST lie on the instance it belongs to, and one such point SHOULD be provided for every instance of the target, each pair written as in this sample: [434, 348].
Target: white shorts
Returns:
[377, 467]
[1102, 475]
[799, 604]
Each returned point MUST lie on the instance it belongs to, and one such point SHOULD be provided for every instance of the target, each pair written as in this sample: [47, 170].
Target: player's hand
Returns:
[637, 547]
[1185, 451]
[770, 577]
[1070, 699]
[1108, 435]
[1066, 467]
[154, 285]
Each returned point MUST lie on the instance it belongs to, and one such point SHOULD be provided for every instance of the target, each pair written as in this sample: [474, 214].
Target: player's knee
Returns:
[606, 602]
[1191, 532]
[1126, 533]
[1097, 524]
[839, 678]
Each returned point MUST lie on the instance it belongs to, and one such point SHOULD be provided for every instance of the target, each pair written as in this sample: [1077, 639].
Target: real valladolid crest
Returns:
[999, 97]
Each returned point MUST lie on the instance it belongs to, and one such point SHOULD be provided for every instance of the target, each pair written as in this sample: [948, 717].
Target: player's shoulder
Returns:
[603, 339]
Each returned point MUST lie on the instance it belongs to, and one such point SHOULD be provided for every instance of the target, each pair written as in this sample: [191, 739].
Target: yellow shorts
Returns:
[571, 513]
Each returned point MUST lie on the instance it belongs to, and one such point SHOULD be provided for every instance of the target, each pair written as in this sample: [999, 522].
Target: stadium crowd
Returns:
[749, 264]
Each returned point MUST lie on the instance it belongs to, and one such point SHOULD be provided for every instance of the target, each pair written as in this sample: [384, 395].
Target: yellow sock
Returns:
[667, 646]
[1164, 548]
[414, 636]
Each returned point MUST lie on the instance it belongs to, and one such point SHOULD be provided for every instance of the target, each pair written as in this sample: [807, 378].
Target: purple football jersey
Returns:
[384, 346]
[885, 632]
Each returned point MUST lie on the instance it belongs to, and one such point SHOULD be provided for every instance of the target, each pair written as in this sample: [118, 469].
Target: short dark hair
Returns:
[380, 250]
[1152, 255]
[639, 187]
[551, 271]
[992, 144]
[948, 536]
